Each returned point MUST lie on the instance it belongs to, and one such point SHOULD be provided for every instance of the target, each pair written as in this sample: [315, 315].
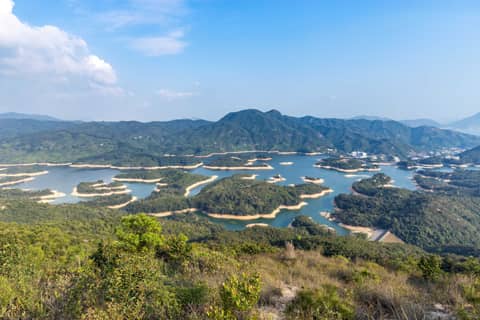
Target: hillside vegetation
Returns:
[76, 262]
[432, 221]
[134, 143]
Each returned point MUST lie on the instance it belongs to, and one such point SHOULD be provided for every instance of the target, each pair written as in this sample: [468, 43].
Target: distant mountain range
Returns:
[24, 140]
[23, 116]
[469, 125]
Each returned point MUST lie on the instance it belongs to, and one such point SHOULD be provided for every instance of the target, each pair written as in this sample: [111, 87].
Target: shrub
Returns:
[240, 294]
[139, 232]
[430, 266]
[324, 303]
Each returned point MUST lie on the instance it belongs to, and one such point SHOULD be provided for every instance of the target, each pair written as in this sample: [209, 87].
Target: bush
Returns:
[139, 232]
[240, 294]
[324, 303]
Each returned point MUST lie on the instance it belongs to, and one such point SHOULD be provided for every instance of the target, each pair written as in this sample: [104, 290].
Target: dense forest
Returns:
[345, 164]
[232, 195]
[435, 222]
[147, 144]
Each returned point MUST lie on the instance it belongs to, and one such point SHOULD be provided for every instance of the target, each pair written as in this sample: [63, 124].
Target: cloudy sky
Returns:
[164, 59]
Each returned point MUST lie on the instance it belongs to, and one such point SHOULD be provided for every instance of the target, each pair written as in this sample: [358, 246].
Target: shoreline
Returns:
[314, 181]
[219, 168]
[11, 183]
[108, 166]
[51, 197]
[75, 193]
[42, 164]
[31, 174]
[138, 180]
[271, 215]
[251, 177]
[252, 225]
[348, 170]
[122, 205]
[197, 184]
[170, 213]
[316, 195]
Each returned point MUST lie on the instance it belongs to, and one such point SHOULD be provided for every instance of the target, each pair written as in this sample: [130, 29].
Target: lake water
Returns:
[64, 179]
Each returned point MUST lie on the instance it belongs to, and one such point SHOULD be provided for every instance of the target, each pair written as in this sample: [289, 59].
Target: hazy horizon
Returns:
[168, 59]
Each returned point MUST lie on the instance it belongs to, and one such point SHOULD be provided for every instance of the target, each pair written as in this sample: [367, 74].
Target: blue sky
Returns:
[165, 59]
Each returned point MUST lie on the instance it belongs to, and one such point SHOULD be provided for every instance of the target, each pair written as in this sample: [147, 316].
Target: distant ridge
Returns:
[422, 122]
[370, 118]
[469, 125]
[132, 143]
[25, 116]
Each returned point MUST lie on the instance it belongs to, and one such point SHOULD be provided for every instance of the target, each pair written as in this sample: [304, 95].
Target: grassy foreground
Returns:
[78, 262]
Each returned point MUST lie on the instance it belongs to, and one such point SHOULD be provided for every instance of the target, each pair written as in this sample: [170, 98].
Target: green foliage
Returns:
[430, 266]
[345, 164]
[237, 196]
[175, 250]
[239, 294]
[324, 303]
[145, 144]
[431, 221]
[139, 232]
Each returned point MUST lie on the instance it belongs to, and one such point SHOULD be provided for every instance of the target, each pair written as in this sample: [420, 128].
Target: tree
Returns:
[139, 232]
[430, 267]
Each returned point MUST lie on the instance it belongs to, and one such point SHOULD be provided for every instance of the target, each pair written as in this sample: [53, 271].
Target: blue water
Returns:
[64, 179]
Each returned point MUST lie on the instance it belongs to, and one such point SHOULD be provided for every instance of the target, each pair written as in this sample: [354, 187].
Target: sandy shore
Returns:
[169, 213]
[45, 164]
[315, 181]
[251, 177]
[271, 215]
[232, 152]
[197, 184]
[267, 167]
[286, 163]
[356, 229]
[11, 183]
[137, 180]
[27, 174]
[75, 193]
[316, 195]
[251, 225]
[276, 180]
[119, 206]
[51, 197]
[347, 170]
[107, 166]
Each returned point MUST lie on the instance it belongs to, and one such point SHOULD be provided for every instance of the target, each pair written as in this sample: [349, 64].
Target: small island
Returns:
[236, 163]
[126, 160]
[276, 178]
[114, 201]
[314, 180]
[10, 181]
[346, 165]
[40, 196]
[171, 194]
[23, 171]
[99, 189]
[239, 199]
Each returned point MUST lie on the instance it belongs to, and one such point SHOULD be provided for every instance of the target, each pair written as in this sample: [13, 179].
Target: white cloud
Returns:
[173, 95]
[142, 12]
[48, 50]
[169, 44]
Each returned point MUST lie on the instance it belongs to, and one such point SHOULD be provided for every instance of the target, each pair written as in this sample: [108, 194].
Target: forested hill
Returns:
[238, 131]
[472, 155]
